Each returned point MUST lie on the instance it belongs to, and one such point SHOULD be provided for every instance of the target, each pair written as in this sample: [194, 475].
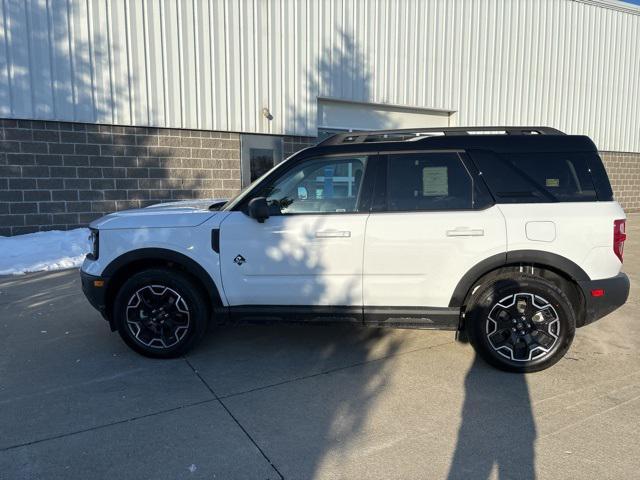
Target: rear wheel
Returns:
[520, 323]
[160, 313]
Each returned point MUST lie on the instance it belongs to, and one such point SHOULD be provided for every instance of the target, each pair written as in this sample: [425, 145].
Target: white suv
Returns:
[508, 235]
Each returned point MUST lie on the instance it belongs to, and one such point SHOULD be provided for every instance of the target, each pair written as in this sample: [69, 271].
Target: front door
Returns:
[309, 251]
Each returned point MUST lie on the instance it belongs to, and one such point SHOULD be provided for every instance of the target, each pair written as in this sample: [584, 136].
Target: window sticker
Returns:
[552, 182]
[435, 181]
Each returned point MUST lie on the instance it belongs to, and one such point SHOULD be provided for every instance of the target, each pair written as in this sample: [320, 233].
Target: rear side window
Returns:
[428, 181]
[537, 177]
[565, 176]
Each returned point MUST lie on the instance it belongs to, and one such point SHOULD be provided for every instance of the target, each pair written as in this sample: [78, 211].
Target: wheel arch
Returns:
[122, 267]
[560, 270]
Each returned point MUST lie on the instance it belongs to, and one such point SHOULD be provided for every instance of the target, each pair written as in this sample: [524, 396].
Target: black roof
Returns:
[497, 139]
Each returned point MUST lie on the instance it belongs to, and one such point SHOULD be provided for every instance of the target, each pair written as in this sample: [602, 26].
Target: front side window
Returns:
[318, 185]
[428, 181]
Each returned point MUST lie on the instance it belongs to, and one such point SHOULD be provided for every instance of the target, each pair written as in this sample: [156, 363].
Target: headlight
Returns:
[94, 239]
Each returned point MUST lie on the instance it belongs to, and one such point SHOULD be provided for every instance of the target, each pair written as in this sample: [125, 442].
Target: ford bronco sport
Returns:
[509, 236]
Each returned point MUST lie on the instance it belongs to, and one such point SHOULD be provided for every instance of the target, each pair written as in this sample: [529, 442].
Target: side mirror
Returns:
[259, 209]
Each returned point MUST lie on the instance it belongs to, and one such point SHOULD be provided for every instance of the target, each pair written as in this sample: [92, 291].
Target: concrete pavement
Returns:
[306, 401]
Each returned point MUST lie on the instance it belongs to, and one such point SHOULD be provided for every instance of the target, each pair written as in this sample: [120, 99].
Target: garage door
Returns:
[342, 115]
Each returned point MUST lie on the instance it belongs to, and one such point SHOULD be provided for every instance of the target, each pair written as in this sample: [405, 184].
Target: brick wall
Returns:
[56, 175]
[624, 173]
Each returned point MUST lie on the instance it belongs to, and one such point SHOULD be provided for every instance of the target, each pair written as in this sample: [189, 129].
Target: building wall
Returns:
[56, 175]
[215, 65]
[624, 175]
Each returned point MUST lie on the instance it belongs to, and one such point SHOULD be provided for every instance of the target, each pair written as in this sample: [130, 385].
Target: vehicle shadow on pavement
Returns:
[497, 428]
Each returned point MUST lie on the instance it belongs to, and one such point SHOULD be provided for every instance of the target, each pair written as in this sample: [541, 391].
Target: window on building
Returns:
[261, 162]
[259, 154]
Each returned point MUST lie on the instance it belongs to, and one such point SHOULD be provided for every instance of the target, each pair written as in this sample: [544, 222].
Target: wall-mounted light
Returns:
[267, 114]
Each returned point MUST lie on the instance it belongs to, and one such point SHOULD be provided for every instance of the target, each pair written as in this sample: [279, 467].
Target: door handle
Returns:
[333, 234]
[465, 232]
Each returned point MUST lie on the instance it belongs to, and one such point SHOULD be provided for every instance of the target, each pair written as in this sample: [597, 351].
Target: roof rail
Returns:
[414, 134]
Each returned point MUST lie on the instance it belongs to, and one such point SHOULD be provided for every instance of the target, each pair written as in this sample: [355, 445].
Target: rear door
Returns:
[432, 220]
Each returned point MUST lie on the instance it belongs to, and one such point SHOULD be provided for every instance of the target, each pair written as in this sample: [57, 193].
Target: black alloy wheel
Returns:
[520, 322]
[161, 313]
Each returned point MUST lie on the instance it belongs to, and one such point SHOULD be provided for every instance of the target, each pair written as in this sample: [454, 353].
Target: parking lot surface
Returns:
[300, 402]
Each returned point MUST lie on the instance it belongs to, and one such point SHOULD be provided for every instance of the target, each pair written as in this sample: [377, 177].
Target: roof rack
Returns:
[415, 134]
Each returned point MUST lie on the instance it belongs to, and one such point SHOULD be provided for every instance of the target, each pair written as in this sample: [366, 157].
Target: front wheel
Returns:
[520, 323]
[160, 313]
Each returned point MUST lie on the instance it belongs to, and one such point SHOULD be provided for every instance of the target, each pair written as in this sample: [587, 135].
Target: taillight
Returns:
[619, 236]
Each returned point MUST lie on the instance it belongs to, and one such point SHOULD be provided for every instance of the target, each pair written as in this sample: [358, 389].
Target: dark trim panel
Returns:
[548, 260]
[295, 313]
[413, 317]
[215, 240]
[399, 317]
[616, 293]
[95, 295]
[472, 276]
[165, 255]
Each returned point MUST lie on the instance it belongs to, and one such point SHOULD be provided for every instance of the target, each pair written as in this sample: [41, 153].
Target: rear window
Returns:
[540, 176]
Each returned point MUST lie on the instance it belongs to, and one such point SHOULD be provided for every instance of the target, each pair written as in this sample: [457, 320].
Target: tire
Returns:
[520, 323]
[161, 313]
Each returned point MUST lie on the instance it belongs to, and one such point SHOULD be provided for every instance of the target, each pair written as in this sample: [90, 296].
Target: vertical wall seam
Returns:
[92, 71]
[27, 14]
[147, 68]
[74, 98]
[52, 70]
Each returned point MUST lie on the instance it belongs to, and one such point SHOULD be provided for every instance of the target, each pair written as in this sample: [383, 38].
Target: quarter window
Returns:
[565, 176]
[318, 185]
[428, 181]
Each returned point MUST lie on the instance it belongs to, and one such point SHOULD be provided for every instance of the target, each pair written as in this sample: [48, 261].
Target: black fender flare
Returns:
[538, 258]
[165, 255]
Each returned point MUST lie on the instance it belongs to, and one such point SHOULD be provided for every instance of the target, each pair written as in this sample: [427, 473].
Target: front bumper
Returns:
[615, 294]
[95, 289]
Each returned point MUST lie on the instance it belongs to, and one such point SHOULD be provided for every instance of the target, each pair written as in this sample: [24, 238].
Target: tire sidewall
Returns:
[192, 295]
[489, 295]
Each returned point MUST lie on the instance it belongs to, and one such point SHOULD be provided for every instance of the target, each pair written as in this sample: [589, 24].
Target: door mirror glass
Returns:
[258, 209]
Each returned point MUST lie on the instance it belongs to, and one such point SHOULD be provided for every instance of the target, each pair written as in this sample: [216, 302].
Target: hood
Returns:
[189, 213]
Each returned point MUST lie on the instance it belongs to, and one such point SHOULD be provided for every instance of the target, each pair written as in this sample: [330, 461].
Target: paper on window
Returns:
[435, 181]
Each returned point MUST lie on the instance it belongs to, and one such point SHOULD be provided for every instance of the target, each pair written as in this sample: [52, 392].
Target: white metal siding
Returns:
[215, 64]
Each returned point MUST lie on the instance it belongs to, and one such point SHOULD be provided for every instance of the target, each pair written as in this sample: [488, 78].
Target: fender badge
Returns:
[239, 260]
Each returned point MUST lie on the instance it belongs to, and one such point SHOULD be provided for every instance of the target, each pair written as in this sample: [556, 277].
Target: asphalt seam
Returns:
[106, 425]
[251, 439]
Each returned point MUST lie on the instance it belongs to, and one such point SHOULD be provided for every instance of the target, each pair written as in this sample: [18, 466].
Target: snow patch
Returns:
[43, 251]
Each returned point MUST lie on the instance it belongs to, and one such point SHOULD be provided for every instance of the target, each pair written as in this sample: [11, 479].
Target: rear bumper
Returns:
[616, 292]
[95, 294]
